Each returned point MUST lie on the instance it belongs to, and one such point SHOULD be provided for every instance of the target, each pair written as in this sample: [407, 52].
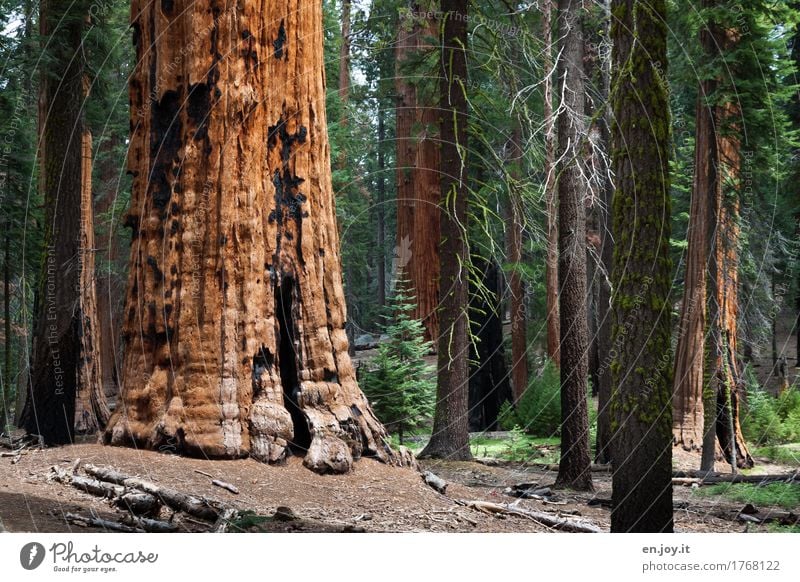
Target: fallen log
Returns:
[102, 523]
[546, 519]
[710, 478]
[91, 486]
[224, 520]
[199, 507]
[150, 525]
[554, 467]
[434, 481]
[138, 503]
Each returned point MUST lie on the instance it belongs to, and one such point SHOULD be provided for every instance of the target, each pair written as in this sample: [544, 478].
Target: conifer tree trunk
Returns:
[235, 319]
[551, 198]
[62, 375]
[418, 180]
[688, 414]
[91, 408]
[519, 323]
[641, 274]
[450, 438]
[574, 467]
[605, 315]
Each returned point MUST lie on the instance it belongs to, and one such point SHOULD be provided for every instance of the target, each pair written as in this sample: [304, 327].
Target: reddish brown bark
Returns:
[688, 414]
[418, 178]
[91, 408]
[235, 318]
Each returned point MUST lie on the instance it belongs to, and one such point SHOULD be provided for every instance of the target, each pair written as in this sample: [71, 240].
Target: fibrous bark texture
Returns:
[551, 198]
[65, 374]
[641, 274]
[450, 438]
[235, 318]
[418, 178]
[91, 408]
[574, 466]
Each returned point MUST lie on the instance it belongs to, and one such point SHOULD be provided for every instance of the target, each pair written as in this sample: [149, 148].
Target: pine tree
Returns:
[399, 384]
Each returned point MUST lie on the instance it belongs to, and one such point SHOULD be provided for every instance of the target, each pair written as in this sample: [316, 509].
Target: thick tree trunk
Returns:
[574, 466]
[519, 323]
[235, 319]
[450, 438]
[550, 194]
[418, 180]
[55, 368]
[641, 274]
[688, 411]
[91, 408]
[488, 377]
[726, 384]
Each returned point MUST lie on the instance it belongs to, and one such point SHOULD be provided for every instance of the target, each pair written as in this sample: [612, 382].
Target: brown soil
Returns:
[373, 497]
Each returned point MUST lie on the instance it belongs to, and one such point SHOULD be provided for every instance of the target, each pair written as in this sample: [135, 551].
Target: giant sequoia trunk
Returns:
[711, 302]
[687, 416]
[726, 381]
[641, 274]
[450, 438]
[418, 179]
[65, 391]
[574, 467]
[91, 408]
[235, 318]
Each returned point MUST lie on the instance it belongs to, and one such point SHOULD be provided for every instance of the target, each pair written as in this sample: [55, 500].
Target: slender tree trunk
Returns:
[450, 438]
[381, 211]
[235, 317]
[604, 314]
[551, 197]
[91, 408]
[488, 377]
[344, 54]
[519, 324]
[5, 389]
[50, 407]
[418, 179]
[688, 409]
[574, 467]
[641, 275]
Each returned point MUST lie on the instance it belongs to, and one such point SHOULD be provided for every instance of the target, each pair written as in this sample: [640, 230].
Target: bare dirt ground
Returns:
[373, 498]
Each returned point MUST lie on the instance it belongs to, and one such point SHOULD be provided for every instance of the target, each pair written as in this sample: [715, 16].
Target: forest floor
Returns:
[373, 498]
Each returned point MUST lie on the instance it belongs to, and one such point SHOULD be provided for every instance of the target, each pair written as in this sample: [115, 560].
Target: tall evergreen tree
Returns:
[641, 275]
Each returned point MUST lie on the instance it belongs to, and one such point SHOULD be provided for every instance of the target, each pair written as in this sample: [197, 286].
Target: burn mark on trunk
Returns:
[158, 275]
[198, 109]
[263, 361]
[287, 363]
[280, 42]
[167, 7]
[165, 141]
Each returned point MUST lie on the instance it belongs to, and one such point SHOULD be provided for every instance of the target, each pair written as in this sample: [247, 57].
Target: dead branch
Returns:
[710, 478]
[232, 488]
[546, 519]
[102, 523]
